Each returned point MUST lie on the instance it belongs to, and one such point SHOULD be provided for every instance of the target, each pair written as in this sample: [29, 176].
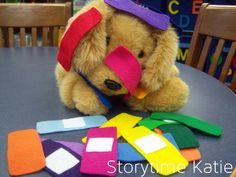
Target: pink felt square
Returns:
[125, 65]
[100, 150]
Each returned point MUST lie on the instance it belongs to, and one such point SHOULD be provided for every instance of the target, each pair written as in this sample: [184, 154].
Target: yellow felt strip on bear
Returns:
[158, 151]
[122, 122]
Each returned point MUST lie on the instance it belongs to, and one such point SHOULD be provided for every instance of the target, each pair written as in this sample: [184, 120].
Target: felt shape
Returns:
[140, 93]
[25, 153]
[158, 131]
[158, 150]
[152, 123]
[77, 123]
[53, 161]
[121, 121]
[125, 65]
[102, 97]
[183, 136]
[74, 146]
[77, 30]
[126, 153]
[100, 150]
[171, 139]
[190, 121]
[144, 143]
[155, 19]
[60, 160]
[192, 154]
[100, 145]
[73, 123]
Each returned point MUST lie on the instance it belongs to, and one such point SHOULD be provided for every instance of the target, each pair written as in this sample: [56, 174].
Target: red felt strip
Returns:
[78, 29]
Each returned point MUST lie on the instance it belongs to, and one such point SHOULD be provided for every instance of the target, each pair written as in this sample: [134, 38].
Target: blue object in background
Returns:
[183, 48]
[222, 2]
[183, 12]
[154, 5]
[221, 60]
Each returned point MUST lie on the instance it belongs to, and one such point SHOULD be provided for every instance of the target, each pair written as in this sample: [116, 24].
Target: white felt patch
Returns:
[99, 145]
[74, 122]
[150, 143]
[60, 161]
[169, 121]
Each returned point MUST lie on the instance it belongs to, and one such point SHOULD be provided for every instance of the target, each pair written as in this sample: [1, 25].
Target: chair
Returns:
[214, 22]
[37, 19]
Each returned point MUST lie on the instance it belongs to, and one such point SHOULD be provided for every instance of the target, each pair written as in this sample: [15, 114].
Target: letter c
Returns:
[170, 7]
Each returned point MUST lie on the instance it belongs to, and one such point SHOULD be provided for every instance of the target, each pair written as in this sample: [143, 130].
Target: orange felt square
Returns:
[158, 131]
[191, 154]
[25, 152]
[140, 92]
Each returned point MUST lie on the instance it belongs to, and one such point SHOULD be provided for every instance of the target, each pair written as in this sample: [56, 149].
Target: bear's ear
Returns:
[91, 50]
[158, 66]
[74, 34]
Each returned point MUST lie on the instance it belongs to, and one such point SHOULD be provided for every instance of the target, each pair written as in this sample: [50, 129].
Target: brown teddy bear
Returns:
[155, 50]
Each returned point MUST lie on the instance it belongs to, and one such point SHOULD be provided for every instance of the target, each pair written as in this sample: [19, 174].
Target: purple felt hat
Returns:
[155, 19]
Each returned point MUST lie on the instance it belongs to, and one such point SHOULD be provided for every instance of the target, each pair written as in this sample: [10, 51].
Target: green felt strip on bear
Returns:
[190, 121]
[183, 136]
[152, 123]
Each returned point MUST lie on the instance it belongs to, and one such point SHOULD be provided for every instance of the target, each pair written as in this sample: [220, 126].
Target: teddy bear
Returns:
[87, 77]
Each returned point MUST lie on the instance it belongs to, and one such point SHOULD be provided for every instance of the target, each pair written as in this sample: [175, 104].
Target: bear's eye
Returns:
[108, 38]
[141, 54]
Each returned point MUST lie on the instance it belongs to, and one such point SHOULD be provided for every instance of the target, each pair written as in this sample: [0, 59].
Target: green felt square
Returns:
[190, 121]
[183, 136]
[152, 123]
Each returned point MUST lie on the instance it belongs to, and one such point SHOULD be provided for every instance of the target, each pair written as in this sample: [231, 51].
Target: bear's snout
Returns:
[112, 85]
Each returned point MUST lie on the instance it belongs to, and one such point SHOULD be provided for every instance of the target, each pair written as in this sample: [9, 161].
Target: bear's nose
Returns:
[113, 85]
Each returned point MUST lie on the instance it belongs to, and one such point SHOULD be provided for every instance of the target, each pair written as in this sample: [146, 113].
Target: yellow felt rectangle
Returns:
[122, 122]
[166, 160]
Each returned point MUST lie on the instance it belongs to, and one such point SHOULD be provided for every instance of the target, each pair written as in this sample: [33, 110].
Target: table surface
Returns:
[28, 94]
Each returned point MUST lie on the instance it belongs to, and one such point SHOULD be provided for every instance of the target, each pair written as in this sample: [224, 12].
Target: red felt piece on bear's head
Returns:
[78, 29]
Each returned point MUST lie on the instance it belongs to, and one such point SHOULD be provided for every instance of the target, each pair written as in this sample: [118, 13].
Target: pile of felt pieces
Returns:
[165, 140]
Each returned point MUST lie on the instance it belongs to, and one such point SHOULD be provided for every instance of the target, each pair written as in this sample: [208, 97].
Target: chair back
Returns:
[214, 22]
[37, 20]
